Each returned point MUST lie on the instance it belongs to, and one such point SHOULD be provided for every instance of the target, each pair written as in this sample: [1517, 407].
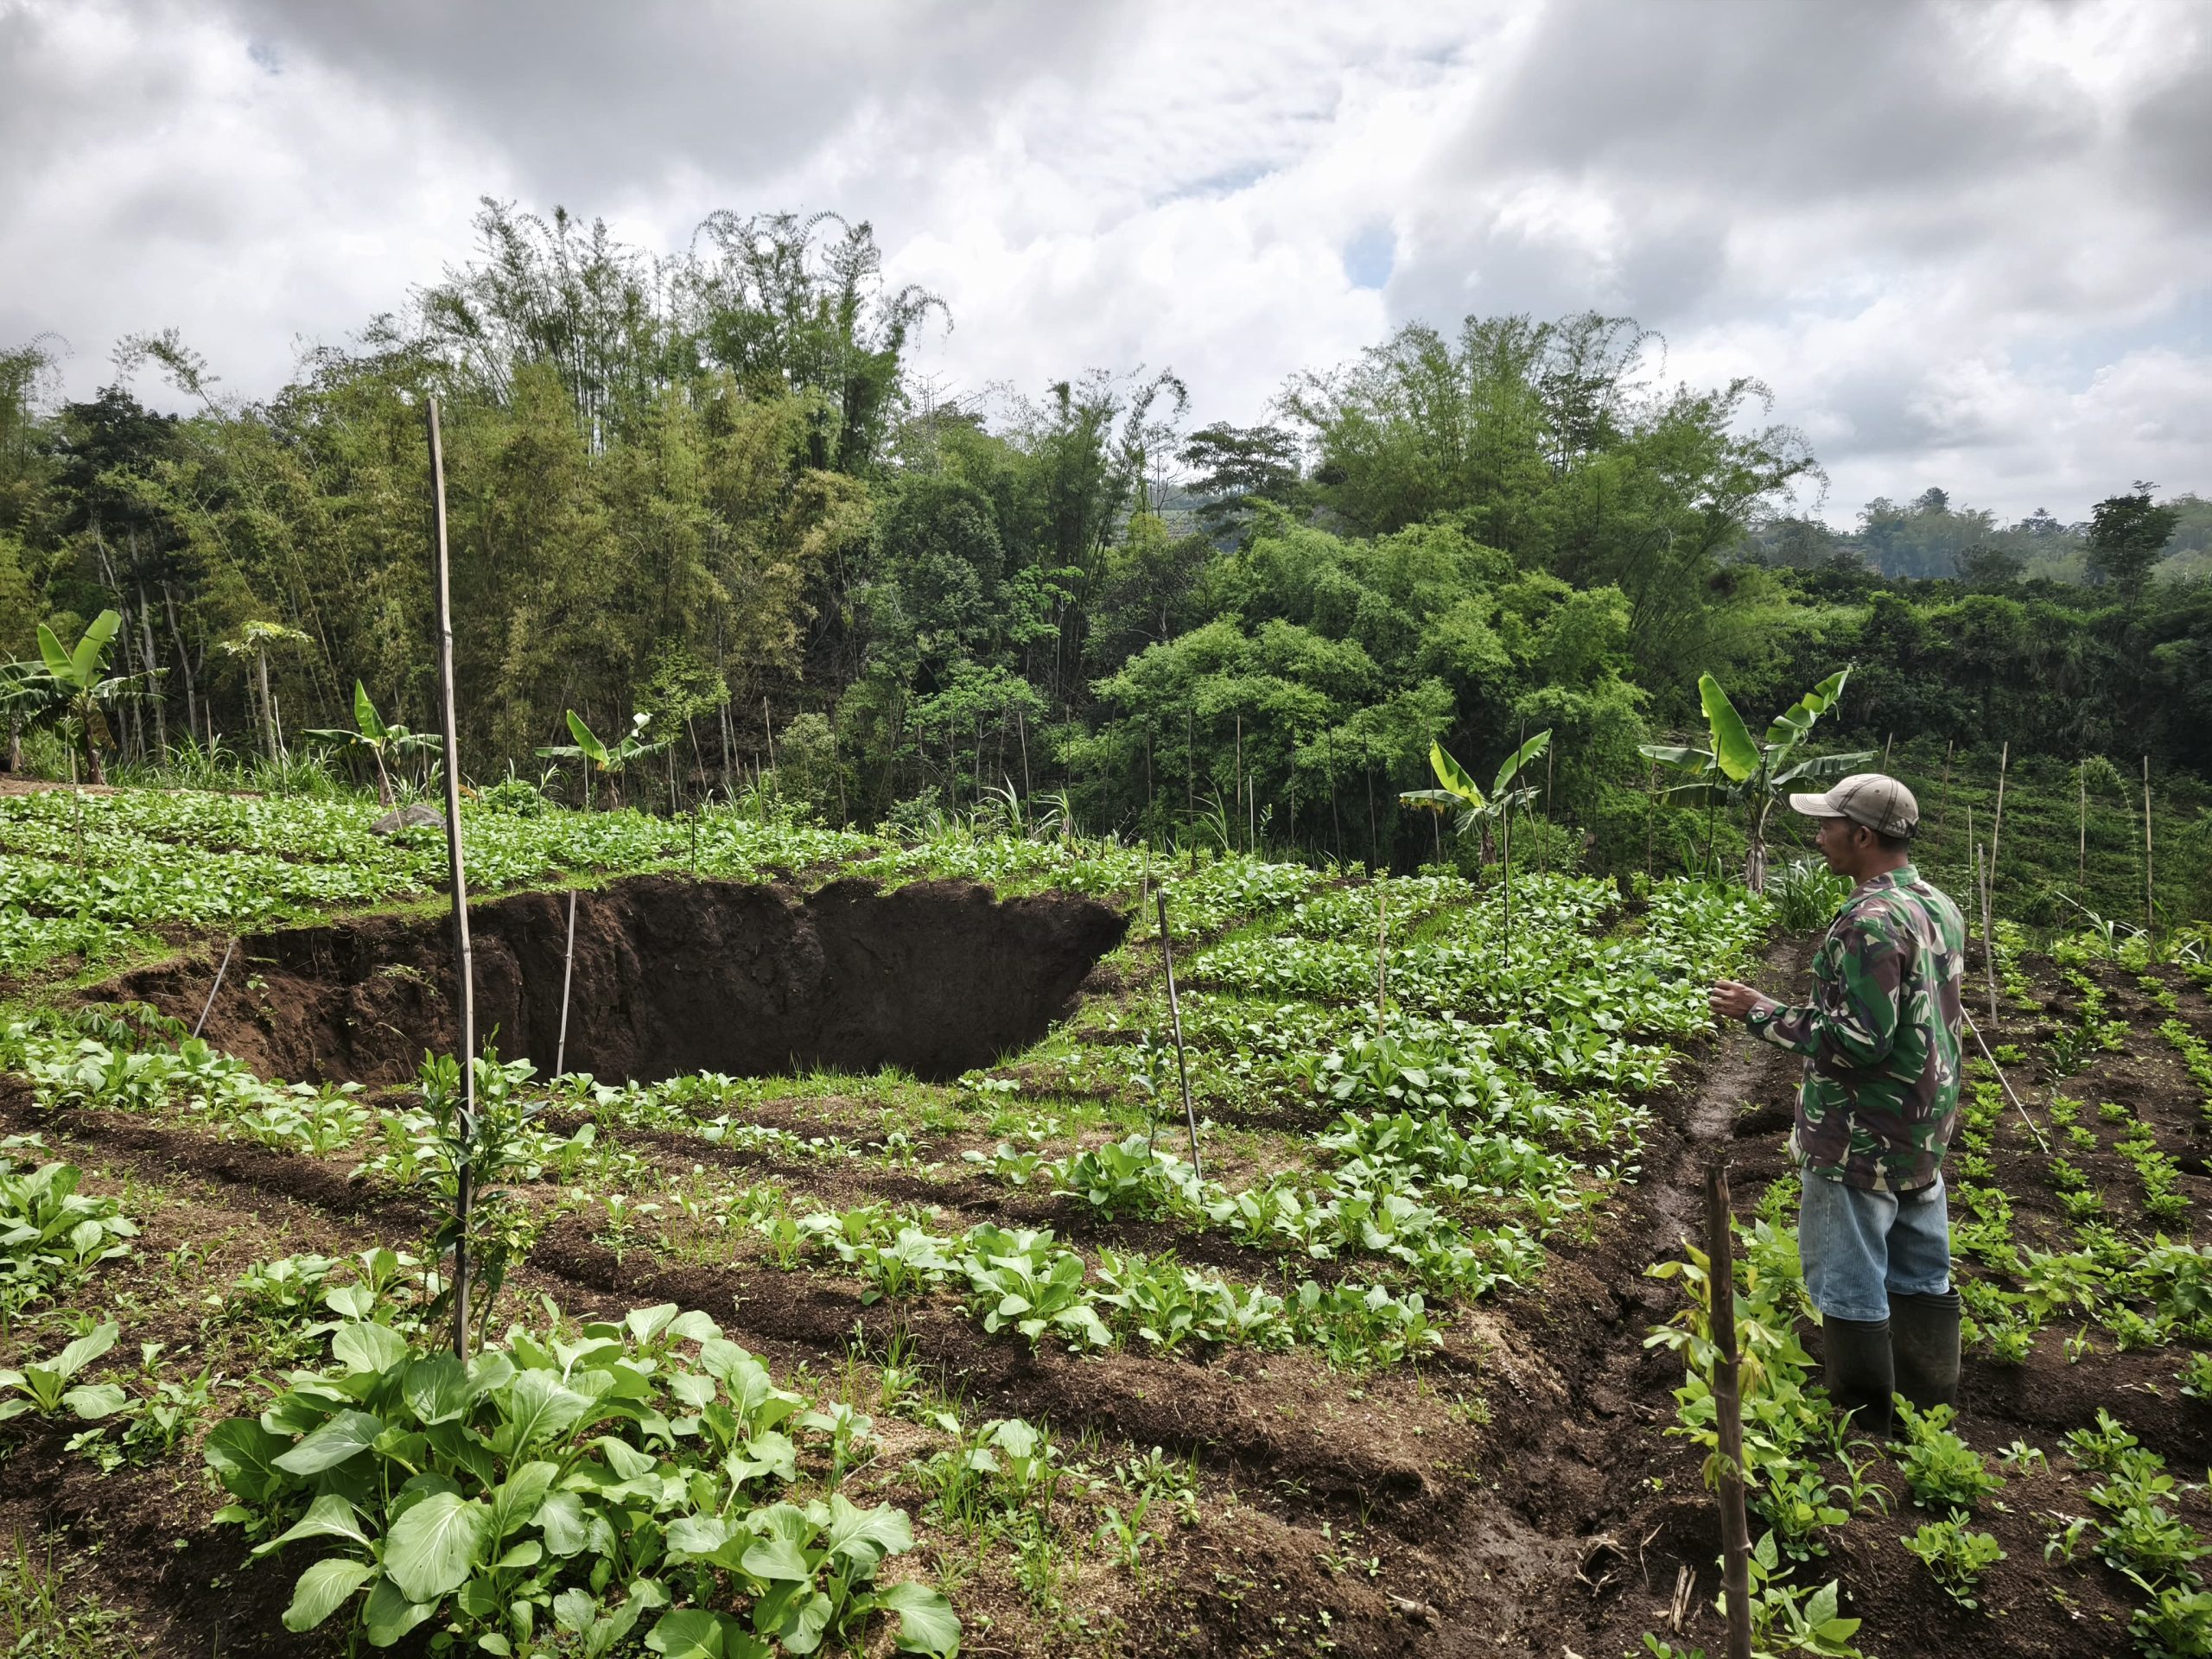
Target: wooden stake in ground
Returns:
[1886, 742]
[1997, 823]
[1650, 811]
[1943, 798]
[1728, 1410]
[1175, 1015]
[1381, 954]
[1988, 934]
[567, 973]
[221, 968]
[464, 963]
[2149, 908]
[2081, 843]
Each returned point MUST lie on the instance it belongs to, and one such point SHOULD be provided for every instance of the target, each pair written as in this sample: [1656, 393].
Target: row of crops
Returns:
[2074, 1184]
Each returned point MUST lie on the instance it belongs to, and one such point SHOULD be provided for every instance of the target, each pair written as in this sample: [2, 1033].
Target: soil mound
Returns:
[672, 975]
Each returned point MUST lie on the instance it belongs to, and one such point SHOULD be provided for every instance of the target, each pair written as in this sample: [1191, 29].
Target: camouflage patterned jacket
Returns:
[1880, 1098]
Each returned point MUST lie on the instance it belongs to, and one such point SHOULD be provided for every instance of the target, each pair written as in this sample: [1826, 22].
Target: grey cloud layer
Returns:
[1913, 220]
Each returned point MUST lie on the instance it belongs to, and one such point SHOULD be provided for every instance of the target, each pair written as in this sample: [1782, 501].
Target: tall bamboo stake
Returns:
[1728, 1416]
[1381, 954]
[464, 961]
[1989, 936]
[1175, 1015]
[1505, 873]
[1650, 811]
[569, 969]
[1543, 853]
[1996, 824]
[2149, 908]
[2082, 844]
[1237, 781]
[1886, 742]
[1944, 797]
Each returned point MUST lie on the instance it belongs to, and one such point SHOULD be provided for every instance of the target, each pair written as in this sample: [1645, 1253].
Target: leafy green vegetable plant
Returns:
[43, 1386]
[1956, 1556]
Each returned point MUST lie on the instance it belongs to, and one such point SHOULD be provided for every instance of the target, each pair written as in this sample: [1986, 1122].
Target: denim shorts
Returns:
[1861, 1247]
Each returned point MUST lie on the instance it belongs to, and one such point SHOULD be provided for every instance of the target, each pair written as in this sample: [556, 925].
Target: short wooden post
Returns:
[1728, 1410]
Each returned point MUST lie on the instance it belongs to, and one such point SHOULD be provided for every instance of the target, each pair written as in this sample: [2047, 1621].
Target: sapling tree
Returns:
[1740, 770]
[254, 641]
[609, 761]
[372, 736]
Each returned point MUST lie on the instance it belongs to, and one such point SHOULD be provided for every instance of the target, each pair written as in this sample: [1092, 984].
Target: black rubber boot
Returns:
[1858, 1373]
[1924, 1348]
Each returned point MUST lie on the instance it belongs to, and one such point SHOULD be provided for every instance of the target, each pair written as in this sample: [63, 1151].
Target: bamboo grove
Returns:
[710, 489]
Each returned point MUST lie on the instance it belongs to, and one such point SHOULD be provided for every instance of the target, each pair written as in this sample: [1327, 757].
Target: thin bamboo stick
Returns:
[1381, 954]
[464, 960]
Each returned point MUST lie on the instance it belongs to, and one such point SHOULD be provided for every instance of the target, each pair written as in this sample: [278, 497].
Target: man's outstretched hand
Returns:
[1734, 999]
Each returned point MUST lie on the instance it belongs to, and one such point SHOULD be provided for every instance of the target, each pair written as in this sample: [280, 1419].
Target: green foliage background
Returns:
[708, 487]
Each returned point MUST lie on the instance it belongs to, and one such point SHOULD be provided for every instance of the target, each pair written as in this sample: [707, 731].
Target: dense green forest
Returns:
[710, 488]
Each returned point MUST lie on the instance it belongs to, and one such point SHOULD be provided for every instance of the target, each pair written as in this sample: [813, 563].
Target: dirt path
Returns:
[1596, 1512]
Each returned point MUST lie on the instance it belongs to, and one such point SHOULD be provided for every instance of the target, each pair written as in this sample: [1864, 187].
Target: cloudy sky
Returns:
[1965, 245]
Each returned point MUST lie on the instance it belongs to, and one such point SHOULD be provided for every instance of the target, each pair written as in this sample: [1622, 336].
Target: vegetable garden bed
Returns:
[1378, 1381]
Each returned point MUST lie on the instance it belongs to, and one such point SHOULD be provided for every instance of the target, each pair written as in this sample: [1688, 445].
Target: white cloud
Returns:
[1966, 243]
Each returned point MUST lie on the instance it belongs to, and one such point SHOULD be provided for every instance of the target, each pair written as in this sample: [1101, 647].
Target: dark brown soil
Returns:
[672, 976]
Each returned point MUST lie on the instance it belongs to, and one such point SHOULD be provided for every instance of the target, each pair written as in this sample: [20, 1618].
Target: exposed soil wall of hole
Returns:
[671, 976]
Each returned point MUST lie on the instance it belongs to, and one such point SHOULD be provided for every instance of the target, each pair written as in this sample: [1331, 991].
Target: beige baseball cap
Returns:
[1879, 802]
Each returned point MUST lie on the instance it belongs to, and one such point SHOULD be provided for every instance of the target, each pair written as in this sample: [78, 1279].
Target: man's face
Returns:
[1838, 841]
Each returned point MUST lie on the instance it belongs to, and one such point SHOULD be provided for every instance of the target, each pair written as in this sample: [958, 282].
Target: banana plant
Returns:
[610, 759]
[373, 737]
[86, 690]
[1477, 811]
[1740, 770]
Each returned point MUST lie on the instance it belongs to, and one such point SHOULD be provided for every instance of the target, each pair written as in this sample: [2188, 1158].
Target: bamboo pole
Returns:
[1650, 811]
[1505, 871]
[569, 966]
[1943, 798]
[1996, 824]
[464, 963]
[1381, 954]
[1989, 936]
[1175, 1015]
[1886, 743]
[1728, 1418]
[2150, 906]
[2081, 842]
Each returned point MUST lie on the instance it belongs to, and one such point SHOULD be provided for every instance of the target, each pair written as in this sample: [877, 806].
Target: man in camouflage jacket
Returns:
[1878, 1105]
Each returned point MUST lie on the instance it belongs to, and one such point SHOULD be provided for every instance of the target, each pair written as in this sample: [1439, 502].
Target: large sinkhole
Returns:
[671, 976]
